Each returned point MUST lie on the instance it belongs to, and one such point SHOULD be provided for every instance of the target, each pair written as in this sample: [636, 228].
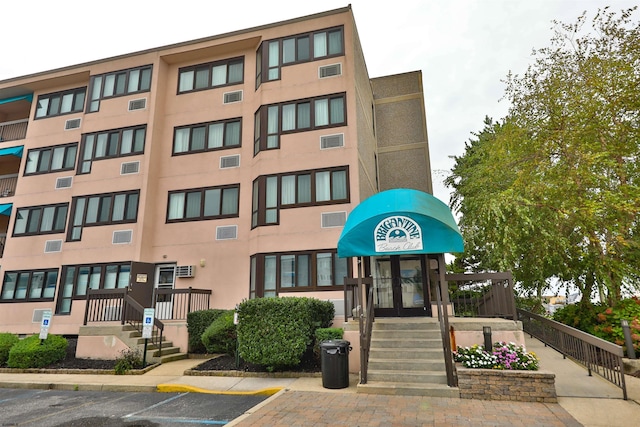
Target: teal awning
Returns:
[12, 151]
[5, 209]
[28, 97]
[400, 221]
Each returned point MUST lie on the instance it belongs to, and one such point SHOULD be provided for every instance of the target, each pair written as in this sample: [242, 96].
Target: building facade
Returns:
[228, 163]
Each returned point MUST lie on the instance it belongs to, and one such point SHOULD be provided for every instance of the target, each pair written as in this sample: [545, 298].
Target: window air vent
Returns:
[122, 236]
[230, 161]
[72, 124]
[64, 182]
[230, 97]
[185, 270]
[333, 219]
[228, 232]
[52, 246]
[129, 168]
[138, 104]
[330, 70]
[38, 313]
[331, 141]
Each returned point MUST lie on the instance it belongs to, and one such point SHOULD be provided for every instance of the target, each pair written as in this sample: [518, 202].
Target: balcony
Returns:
[8, 185]
[14, 130]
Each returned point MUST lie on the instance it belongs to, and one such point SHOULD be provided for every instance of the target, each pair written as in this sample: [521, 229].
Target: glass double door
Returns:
[400, 286]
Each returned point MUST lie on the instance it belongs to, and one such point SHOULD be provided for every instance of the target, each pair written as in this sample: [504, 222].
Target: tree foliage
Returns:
[551, 191]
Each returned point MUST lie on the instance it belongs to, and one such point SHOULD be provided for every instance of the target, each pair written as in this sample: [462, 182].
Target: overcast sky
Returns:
[464, 48]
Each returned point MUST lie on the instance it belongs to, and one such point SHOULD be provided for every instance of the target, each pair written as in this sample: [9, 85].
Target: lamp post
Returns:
[486, 331]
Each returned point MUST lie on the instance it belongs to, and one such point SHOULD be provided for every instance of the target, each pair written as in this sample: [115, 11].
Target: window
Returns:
[297, 189]
[59, 103]
[51, 159]
[207, 136]
[272, 274]
[34, 285]
[118, 83]
[101, 209]
[203, 203]
[110, 144]
[211, 75]
[271, 121]
[40, 220]
[76, 279]
[274, 54]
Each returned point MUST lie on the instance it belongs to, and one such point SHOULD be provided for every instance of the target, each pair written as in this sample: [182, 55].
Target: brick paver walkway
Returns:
[300, 408]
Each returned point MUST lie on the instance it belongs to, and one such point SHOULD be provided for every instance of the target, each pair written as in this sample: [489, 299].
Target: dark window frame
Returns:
[257, 289]
[75, 92]
[259, 202]
[263, 53]
[202, 191]
[83, 159]
[206, 147]
[67, 152]
[29, 289]
[208, 66]
[75, 272]
[93, 104]
[102, 198]
[31, 209]
[261, 120]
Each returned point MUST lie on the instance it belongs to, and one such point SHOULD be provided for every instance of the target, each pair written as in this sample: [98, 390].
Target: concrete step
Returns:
[404, 323]
[406, 353]
[166, 358]
[420, 377]
[422, 343]
[410, 365]
[405, 334]
[408, 389]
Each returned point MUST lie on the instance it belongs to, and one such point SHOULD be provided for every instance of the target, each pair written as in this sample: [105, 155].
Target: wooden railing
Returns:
[175, 304]
[14, 130]
[597, 355]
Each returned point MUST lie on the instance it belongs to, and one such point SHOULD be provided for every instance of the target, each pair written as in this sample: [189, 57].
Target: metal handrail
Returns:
[365, 336]
[597, 355]
[442, 297]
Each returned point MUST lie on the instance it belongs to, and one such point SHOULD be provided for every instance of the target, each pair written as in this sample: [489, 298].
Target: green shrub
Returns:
[220, 336]
[275, 332]
[31, 353]
[129, 359]
[325, 334]
[609, 325]
[6, 342]
[197, 323]
[582, 316]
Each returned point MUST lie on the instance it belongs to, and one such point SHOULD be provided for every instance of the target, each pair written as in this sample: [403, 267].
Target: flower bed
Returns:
[506, 373]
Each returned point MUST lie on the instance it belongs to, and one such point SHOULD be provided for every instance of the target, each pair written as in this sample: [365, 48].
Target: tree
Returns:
[551, 191]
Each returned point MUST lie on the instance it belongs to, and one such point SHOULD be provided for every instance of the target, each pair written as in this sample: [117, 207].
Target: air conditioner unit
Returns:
[185, 271]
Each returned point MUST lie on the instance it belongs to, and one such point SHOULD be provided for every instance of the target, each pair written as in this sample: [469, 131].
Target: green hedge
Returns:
[275, 332]
[197, 323]
[31, 353]
[220, 336]
[326, 334]
[7, 341]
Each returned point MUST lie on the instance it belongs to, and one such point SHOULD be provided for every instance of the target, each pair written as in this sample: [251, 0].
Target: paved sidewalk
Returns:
[583, 400]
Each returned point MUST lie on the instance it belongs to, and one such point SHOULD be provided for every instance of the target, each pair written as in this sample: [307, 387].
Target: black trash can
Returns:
[334, 362]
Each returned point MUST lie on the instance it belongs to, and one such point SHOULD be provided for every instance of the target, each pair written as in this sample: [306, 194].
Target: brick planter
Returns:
[493, 384]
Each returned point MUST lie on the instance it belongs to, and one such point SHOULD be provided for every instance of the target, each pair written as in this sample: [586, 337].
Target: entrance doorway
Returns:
[165, 279]
[400, 286]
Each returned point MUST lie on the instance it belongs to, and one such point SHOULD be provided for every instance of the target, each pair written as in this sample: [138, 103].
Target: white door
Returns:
[165, 279]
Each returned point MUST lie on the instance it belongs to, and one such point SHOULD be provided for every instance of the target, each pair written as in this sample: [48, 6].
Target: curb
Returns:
[181, 388]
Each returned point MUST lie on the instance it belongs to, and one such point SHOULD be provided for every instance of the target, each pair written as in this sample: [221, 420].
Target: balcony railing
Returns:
[8, 185]
[14, 130]
[3, 240]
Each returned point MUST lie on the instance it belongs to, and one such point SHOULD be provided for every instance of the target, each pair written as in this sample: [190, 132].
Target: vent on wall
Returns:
[52, 246]
[129, 168]
[230, 161]
[329, 70]
[138, 104]
[37, 314]
[230, 97]
[72, 124]
[64, 182]
[227, 232]
[332, 141]
[185, 271]
[122, 236]
[334, 219]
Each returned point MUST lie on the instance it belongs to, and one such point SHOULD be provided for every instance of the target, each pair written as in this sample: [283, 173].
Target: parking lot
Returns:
[48, 408]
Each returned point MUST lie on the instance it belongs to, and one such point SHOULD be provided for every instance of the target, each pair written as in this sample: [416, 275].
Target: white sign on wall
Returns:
[147, 322]
[397, 233]
[45, 323]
